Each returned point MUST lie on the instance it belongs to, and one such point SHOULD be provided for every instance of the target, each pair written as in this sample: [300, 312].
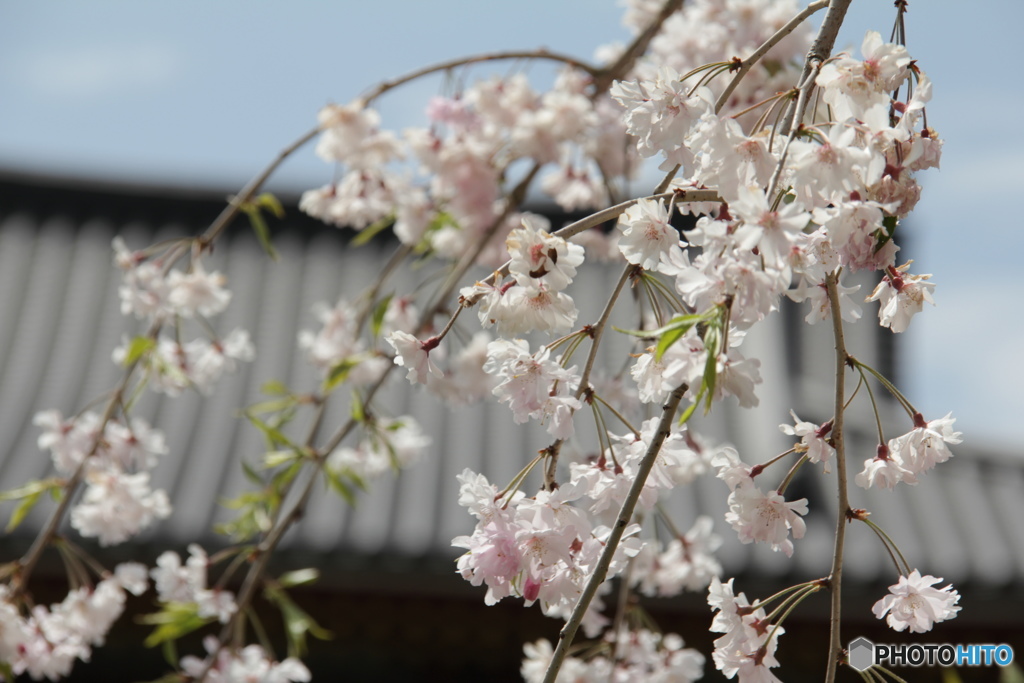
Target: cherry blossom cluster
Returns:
[250, 663]
[543, 547]
[748, 646]
[906, 457]
[642, 656]
[474, 136]
[152, 291]
[47, 641]
[539, 548]
[117, 457]
[186, 584]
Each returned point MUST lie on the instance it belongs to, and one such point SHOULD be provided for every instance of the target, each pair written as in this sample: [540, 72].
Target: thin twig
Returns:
[597, 329]
[838, 437]
[823, 43]
[568, 632]
[760, 52]
[801, 107]
[542, 54]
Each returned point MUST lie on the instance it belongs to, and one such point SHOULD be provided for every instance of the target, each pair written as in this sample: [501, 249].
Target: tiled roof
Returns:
[963, 522]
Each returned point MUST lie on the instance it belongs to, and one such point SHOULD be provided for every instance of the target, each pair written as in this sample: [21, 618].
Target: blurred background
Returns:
[132, 117]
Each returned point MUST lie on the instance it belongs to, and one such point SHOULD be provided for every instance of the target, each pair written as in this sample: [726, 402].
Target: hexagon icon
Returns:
[861, 654]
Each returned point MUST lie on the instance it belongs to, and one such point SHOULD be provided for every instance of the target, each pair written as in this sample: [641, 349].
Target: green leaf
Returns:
[370, 231]
[669, 338]
[1011, 674]
[679, 321]
[334, 478]
[137, 348]
[358, 411]
[31, 488]
[175, 620]
[24, 507]
[278, 458]
[251, 474]
[339, 373]
[297, 623]
[712, 341]
[275, 388]
[170, 651]
[688, 413]
[275, 437]
[951, 676]
[378, 315]
[271, 203]
[299, 577]
[886, 232]
[6, 671]
[259, 227]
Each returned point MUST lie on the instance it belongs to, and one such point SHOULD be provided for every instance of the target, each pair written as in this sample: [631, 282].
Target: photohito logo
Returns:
[863, 654]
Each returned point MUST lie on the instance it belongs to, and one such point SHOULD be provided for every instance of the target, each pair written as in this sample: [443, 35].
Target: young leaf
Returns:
[275, 388]
[268, 201]
[24, 507]
[259, 227]
[137, 348]
[370, 231]
[334, 478]
[378, 315]
[299, 577]
[297, 623]
[175, 620]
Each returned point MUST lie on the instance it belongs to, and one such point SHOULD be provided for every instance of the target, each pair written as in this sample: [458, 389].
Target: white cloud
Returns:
[96, 71]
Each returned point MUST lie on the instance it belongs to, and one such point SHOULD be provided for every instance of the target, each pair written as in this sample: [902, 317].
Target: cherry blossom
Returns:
[767, 518]
[813, 440]
[914, 603]
[901, 296]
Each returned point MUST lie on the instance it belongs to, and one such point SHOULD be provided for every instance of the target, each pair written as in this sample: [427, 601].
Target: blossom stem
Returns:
[874, 404]
[568, 632]
[780, 456]
[785, 592]
[860, 382]
[789, 604]
[518, 479]
[396, 258]
[792, 473]
[666, 292]
[839, 441]
[598, 330]
[619, 415]
[760, 52]
[889, 386]
[891, 546]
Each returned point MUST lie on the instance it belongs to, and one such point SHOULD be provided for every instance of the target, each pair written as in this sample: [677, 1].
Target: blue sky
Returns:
[205, 93]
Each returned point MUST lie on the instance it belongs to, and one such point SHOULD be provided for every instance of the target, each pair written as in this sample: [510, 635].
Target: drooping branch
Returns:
[568, 632]
[838, 437]
[821, 48]
[760, 52]
[628, 58]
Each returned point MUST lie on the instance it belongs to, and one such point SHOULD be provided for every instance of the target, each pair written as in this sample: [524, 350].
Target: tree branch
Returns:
[568, 632]
[835, 577]
[760, 52]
